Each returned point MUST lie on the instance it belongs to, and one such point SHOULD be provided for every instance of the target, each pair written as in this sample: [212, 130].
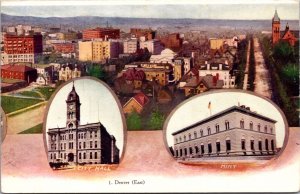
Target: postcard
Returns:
[148, 96]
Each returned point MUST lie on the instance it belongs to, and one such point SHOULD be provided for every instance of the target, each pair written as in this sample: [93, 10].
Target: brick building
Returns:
[20, 72]
[104, 33]
[64, 47]
[22, 48]
[138, 33]
[172, 41]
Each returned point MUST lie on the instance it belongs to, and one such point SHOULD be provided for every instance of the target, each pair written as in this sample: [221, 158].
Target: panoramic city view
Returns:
[152, 60]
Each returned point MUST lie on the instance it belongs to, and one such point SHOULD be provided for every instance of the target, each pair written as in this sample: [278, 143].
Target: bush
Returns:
[133, 121]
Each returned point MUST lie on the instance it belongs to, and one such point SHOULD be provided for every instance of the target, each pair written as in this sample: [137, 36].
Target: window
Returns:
[96, 134]
[243, 144]
[91, 144]
[180, 152]
[260, 146]
[176, 153]
[258, 127]
[266, 129]
[242, 124]
[271, 130]
[51, 156]
[79, 145]
[272, 145]
[195, 135]
[267, 144]
[201, 132]
[209, 148]
[83, 145]
[251, 126]
[91, 135]
[184, 138]
[54, 155]
[176, 140]
[91, 155]
[226, 125]
[96, 144]
[84, 155]
[228, 145]
[218, 146]
[96, 156]
[252, 145]
[185, 151]
[180, 139]
[190, 136]
[208, 131]
[79, 155]
[202, 149]
[217, 128]
[196, 149]
[191, 150]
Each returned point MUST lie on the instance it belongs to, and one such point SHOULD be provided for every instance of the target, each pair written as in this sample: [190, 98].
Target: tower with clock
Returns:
[73, 109]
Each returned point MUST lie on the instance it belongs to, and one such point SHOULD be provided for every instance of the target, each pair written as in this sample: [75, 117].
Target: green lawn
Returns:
[46, 91]
[36, 129]
[30, 94]
[11, 104]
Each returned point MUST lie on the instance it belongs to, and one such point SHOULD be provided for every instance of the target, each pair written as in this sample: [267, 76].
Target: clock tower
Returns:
[275, 28]
[73, 109]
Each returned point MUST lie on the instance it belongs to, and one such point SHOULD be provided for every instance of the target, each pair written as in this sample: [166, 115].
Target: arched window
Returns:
[201, 132]
[251, 126]
[267, 144]
[243, 144]
[54, 155]
[196, 149]
[228, 145]
[260, 146]
[227, 125]
[191, 150]
[71, 125]
[208, 131]
[252, 145]
[91, 155]
[217, 128]
[258, 127]
[266, 129]
[195, 134]
[190, 136]
[218, 146]
[79, 155]
[202, 148]
[242, 124]
[272, 145]
[96, 156]
[184, 138]
[84, 155]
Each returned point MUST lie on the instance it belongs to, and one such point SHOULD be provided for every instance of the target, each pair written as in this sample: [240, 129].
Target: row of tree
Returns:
[251, 71]
[284, 74]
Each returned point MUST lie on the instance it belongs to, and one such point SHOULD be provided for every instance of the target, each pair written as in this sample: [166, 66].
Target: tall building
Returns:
[236, 131]
[23, 48]
[153, 46]
[275, 28]
[130, 46]
[98, 50]
[104, 33]
[138, 33]
[80, 144]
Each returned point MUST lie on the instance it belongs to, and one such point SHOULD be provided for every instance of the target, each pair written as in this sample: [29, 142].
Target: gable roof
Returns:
[141, 98]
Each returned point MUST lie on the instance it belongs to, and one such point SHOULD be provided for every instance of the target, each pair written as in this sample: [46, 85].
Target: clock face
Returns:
[71, 107]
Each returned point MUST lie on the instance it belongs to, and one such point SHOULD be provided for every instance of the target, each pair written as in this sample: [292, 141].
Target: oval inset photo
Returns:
[225, 126]
[84, 125]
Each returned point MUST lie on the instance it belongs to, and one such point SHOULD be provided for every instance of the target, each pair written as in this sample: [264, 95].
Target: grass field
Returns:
[36, 129]
[11, 104]
[46, 91]
[30, 94]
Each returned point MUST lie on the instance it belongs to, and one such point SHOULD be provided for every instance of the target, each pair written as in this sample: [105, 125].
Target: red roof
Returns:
[17, 68]
[133, 74]
[141, 98]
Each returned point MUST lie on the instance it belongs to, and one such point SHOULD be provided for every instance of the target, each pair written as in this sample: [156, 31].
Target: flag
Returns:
[209, 105]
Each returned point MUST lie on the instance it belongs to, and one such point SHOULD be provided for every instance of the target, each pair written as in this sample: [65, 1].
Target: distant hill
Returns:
[81, 22]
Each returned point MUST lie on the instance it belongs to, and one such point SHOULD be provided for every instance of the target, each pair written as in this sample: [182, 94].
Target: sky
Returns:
[196, 109]
[97, 104]
[197, 9]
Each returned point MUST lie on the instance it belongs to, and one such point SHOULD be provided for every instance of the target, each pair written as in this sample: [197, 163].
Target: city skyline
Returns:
[215, 9]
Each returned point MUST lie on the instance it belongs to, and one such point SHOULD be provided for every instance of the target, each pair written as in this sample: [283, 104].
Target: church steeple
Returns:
[73, 109]
[275, 28]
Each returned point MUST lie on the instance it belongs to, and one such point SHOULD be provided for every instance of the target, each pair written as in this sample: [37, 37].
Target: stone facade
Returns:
[80, 144]
[236, 131]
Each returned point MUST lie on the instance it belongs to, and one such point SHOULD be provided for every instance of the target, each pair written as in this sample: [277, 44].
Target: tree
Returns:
[156, 120]
[97, 71]
[133, 121]
[283, 51]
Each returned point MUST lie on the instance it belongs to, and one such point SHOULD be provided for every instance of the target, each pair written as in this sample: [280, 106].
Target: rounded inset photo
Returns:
[84, 125]
[226, 125]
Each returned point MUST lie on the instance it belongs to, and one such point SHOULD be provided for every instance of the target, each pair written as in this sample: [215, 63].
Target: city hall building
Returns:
[80, 144]
[236, 131]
